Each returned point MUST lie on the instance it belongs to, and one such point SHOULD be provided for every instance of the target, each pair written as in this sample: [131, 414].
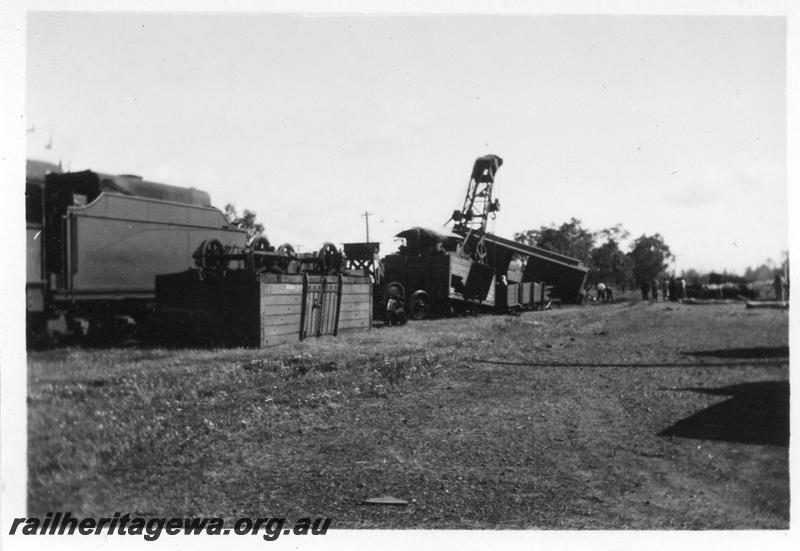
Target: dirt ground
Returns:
[631, 415]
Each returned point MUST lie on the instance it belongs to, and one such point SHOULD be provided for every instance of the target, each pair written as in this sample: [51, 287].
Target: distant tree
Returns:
[768, 269]
[616, 232]
[247, 221]
[611, 264]
[650, 256]
[693, 277]
[759, 273]
[570, 239]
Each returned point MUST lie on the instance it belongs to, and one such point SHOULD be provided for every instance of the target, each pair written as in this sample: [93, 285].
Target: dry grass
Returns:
[595, 417]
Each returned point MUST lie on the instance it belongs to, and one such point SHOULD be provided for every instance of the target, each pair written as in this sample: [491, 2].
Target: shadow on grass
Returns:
[744, 353]
[756, 413]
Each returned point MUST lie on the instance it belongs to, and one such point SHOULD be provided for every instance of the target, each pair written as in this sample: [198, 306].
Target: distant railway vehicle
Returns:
[95, 243]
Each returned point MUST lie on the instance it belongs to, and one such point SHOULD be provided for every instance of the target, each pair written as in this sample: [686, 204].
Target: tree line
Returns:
[647, 257]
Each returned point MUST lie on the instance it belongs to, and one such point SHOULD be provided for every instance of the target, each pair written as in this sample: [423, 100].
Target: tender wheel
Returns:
[212, 257]
[329, 258]
[419, 306]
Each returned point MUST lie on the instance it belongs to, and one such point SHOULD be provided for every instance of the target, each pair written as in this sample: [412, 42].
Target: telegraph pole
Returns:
[366, 221]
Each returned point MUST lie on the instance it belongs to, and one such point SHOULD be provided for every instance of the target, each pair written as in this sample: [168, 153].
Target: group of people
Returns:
[605, 293]
[673, 289]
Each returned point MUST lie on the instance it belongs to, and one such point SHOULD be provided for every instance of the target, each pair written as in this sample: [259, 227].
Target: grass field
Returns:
[631, 415]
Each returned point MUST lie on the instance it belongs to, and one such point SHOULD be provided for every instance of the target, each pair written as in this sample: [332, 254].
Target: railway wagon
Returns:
[438, 282]
[96, 242]
[567, 281]
[258, 310]
[565, 276]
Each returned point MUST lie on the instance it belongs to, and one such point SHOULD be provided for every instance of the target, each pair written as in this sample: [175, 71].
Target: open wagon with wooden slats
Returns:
[259, 310]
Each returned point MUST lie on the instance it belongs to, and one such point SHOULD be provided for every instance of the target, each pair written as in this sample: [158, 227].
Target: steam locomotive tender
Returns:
[95, 243]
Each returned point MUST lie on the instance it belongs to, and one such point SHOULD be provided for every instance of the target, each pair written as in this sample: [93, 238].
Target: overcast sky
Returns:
[666, 124]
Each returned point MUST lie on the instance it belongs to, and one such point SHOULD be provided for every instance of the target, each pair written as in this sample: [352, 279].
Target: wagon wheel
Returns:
[258, 244]
[328, 258]
[212, 257]
[285, 262]
[419, 306]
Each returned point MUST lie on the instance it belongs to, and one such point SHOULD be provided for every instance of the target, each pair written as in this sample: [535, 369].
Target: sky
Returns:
[665, 124]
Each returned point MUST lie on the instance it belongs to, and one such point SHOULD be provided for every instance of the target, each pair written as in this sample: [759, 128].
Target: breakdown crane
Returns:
[479, 206]
[565, 273]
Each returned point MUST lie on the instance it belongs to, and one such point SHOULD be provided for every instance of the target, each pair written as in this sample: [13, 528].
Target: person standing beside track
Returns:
[778, 285]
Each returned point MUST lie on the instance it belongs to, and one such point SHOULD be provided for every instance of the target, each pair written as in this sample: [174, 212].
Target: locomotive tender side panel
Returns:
[118, 243]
